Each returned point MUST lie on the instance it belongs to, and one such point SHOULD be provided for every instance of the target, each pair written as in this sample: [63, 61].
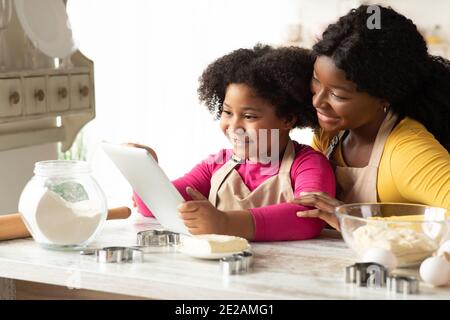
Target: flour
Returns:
[409, 246]
[66, 223]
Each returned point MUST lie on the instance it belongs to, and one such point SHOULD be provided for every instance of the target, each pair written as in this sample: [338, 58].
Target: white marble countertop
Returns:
[312, 269]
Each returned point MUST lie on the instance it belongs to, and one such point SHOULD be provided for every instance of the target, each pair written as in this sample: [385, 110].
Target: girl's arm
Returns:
[201, 217]
[311, 171]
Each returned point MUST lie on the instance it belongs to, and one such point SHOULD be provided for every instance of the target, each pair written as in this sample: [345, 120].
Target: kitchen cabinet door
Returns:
[11, 97]
[80, 92]
[35, 95]
[58, 90]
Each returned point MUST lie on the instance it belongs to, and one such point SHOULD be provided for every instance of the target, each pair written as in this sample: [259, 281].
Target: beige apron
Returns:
[360, 184]
[228, 191]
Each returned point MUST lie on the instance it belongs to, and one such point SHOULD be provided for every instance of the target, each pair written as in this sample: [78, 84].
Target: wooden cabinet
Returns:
[80, 91]
[11, 97]
[27, 97]
[58, 90]
[35, 95]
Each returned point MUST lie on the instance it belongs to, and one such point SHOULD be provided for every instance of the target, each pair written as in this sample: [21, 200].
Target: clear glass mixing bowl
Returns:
[411, 232]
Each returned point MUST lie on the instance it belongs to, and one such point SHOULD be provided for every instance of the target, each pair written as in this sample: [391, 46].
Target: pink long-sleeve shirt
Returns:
[310, 171]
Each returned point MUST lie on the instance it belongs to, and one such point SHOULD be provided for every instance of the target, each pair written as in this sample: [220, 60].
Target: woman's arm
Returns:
[324, 207]
[420, 169]
[275, 222]
[415, 167]
[311, 171]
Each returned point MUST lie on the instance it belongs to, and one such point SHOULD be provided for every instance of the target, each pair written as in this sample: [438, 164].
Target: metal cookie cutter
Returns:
[118, 254]
[157, 237]
[402, 284]
[366, 274]
[147, 240]
[247, 260]
[237, 263]
[88, 251]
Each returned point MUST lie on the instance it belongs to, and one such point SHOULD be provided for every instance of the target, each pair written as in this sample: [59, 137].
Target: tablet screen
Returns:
[150, 182]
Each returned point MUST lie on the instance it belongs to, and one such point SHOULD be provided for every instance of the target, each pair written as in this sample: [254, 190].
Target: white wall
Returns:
[425, 14]
[315, 15]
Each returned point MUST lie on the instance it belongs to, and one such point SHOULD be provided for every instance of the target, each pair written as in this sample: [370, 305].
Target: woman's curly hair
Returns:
[280, 76]
[392, 63]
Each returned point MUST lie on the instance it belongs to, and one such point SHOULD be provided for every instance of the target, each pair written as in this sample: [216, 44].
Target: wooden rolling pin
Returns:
[12, 226]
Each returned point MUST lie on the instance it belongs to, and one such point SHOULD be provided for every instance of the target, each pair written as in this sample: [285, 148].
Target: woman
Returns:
[383, 106]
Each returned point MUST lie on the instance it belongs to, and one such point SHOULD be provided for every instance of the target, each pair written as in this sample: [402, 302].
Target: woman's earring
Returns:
[385, 109]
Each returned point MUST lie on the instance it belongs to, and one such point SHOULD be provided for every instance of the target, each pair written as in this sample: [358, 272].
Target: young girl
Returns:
[259, 95]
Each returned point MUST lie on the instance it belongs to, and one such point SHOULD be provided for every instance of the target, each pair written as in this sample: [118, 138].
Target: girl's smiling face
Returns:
[251, 125]
[339, 105]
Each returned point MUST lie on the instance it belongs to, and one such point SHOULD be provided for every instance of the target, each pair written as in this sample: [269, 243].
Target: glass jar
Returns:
[62, 205]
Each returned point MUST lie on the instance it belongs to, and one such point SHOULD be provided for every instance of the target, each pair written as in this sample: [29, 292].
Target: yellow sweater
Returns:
[414, 167]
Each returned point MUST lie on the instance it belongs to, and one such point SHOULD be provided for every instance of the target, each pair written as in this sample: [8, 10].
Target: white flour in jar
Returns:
[66, 223]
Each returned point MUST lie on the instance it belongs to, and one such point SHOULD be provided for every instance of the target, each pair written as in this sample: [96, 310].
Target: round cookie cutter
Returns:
[157, 237]
[118, 254]
[147, 241]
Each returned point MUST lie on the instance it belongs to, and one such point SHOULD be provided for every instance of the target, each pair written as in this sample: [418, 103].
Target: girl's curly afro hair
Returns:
[280, 76]
[392, 63]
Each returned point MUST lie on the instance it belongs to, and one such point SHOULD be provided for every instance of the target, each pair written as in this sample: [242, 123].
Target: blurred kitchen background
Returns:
[147, 58]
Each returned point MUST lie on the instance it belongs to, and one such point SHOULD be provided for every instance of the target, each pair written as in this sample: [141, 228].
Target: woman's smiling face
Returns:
[339, 105]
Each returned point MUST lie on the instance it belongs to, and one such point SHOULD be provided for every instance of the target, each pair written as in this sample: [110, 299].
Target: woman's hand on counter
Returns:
[324, 204]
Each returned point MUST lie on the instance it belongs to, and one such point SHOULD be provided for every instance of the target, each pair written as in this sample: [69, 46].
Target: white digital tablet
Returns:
[150, 182]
